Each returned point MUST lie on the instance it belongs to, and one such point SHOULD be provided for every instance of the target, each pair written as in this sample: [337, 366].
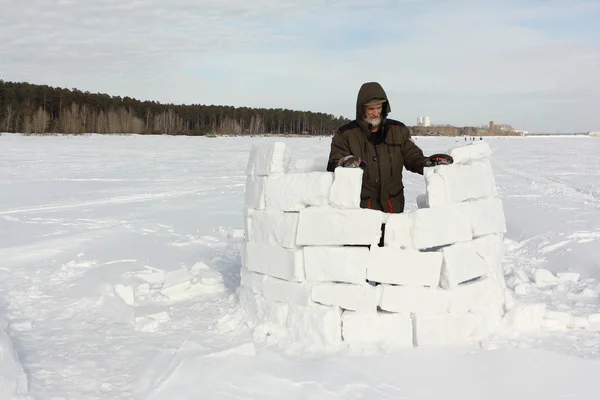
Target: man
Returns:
[382, 147]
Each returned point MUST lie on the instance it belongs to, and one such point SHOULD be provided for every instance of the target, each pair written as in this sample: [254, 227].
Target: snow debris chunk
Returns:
[544, 278]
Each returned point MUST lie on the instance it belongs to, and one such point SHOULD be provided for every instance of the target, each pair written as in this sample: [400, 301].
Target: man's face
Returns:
[373, 114]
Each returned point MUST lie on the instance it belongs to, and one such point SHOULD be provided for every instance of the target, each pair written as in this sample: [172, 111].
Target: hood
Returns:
[369, 91]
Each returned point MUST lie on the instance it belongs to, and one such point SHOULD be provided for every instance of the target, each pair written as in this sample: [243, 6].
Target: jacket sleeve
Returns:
[339, 149]
[414, 160]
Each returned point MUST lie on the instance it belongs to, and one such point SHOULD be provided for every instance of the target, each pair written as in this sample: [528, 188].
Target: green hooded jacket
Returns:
[384, 153]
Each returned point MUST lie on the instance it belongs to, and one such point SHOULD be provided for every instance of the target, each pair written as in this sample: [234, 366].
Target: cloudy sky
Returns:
[534, 64]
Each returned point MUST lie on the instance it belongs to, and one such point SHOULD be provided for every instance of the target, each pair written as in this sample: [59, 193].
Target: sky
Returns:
[532, 64]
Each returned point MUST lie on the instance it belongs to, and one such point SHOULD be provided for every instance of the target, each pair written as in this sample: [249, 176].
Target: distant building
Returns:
[419, 121]
[426, 121]
[492, 124]
[594, 133]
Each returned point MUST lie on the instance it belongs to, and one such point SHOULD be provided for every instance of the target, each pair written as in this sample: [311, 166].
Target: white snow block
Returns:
[456, 183]
[252, 280]
[404, 267]
[399, 231]
[422, 200]
[255, 192]
[524, 318]
[470, 152]
[260, 310]
[268, 159]
[13, 380]
[440, 226]
[443, 330]
[336, 264]
[308, 165]
[480, 295]
[347, 296]
[293, 192]
[276, 228]
[322, 226]
[315, 327]
[275, 261]
[487, 216]
[298, 293]
[407, 299]
[274, 289]
[462, 262]
[346, 188]
[491, 248]
[377, 329]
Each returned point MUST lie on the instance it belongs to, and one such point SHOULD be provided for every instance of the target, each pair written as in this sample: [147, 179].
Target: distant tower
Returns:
[419, 121]
[426, 121]
[491, 124]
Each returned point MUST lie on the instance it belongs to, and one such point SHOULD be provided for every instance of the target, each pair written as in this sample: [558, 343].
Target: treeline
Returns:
[449, 130]
[41, 109]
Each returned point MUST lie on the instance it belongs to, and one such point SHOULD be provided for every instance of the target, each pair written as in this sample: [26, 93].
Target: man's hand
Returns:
[350, 162]
[438, 159]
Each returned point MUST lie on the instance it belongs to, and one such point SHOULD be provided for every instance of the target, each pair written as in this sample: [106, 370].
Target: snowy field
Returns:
[92, 228]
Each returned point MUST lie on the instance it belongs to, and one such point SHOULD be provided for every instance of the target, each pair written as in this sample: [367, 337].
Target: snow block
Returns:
[255, 192]
[433, 227]
[487, 216]
[322, 226]
[524, 318]
[483, 294]
[252, 281]
[456, 183]
[491, 248]
[276, 228]
[408, 299]
[275, 261]
[260, 310]
[462, 262]
[268, 159]
[293, 192]
[404, 267]
[443, 330]
[346, 188]
[470, 152]
[336, 264]
[380, 329]
[347, 296]
[399, 231]
[308, 165]
[298, 293]
[315, 327]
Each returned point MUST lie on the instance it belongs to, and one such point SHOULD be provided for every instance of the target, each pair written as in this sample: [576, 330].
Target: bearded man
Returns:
[381, 147]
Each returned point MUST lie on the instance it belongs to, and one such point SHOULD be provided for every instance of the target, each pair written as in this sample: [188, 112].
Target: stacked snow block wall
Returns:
[313, 271]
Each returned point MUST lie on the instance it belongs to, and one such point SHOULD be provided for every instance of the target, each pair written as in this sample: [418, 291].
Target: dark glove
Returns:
[350, 162]
[438, 159]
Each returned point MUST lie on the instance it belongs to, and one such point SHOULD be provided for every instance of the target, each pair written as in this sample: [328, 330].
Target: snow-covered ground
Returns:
[119, 260]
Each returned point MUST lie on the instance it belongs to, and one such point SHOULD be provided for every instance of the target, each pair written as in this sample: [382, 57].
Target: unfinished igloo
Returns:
[313, 274]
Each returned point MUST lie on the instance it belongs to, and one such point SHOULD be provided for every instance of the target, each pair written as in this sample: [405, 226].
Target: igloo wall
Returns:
[313, 274]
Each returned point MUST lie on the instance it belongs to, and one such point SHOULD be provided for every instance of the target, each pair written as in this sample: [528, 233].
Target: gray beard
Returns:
[373, 121]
